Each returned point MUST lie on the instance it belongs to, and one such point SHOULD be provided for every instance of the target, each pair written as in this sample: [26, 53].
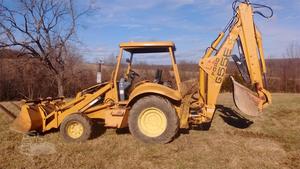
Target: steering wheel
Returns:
[133, 74]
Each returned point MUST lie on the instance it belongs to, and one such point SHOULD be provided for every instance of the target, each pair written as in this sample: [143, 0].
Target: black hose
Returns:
[255, 6]
[259, 6]
[233, 19]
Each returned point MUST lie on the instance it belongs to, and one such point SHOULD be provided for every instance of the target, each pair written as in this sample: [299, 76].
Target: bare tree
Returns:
[292, 53]
[41, 29]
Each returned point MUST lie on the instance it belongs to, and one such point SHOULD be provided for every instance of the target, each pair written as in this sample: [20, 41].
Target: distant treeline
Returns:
[24, 78]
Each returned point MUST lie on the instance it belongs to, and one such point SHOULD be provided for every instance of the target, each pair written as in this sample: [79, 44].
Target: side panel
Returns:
[154, 88]
[216, 68]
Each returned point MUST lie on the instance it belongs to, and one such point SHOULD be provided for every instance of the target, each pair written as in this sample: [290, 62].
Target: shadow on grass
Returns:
[123, 131]
[40, 134]
[98, 128]
[233, 118]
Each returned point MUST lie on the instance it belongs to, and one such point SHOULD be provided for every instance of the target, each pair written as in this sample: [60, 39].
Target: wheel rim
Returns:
[75, 129]
[152, 122]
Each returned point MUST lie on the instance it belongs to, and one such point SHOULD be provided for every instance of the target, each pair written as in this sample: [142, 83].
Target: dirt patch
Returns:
[293, 160]
[263, 145]
[252, 134]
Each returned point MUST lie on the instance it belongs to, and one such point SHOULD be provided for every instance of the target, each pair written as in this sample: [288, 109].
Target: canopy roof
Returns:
[148, 47]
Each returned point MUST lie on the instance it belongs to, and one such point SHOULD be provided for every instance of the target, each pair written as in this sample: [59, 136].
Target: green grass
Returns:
[271, 141]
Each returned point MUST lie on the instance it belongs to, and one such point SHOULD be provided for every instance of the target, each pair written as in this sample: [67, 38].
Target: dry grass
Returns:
[272, 141]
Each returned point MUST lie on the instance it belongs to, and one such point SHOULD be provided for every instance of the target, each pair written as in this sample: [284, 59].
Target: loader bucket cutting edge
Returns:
[28, 120]
[246, 100]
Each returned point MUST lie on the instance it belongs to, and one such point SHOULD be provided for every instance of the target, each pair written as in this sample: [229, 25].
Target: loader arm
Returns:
[241, 29]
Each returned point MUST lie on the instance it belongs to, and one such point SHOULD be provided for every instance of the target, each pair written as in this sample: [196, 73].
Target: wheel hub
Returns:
[152, 122]
[75, 129]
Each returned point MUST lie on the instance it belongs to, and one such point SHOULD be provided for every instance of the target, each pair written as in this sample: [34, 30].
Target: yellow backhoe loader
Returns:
[154, 110]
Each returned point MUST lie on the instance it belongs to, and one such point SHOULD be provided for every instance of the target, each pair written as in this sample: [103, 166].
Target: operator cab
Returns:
[126, 81]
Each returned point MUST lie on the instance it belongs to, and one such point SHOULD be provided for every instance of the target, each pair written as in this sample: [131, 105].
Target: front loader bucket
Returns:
[246, 100]
[29, 119]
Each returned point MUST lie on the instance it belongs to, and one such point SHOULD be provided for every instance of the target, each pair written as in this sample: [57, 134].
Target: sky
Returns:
[191, 24]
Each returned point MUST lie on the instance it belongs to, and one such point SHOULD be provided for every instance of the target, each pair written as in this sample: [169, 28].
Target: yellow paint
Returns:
[153, 88]
[130, 45]
[152, 122]
[74, 129]
[175, 68]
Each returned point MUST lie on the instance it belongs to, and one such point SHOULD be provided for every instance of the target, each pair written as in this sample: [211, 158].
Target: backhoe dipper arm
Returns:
[213, 69]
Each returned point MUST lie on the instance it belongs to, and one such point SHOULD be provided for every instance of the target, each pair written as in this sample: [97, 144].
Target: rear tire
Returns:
[76, 128]
[153, 119]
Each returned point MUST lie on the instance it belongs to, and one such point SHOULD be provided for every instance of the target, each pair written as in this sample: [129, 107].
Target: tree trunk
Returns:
[60, 87]
[1, 80]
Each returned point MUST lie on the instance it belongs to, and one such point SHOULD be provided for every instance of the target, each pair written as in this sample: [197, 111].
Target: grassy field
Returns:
[269, 141]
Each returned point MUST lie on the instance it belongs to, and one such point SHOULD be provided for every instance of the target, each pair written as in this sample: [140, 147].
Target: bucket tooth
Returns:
[246, 100]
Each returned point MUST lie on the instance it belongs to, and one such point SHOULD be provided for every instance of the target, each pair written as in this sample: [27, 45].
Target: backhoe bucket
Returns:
[246, 100]
[29, 119]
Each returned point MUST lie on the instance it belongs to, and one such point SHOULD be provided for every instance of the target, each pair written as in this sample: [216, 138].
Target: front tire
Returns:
[153, 119]
[76, 128]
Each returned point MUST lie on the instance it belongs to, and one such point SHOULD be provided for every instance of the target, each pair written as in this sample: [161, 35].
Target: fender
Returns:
[154, 88]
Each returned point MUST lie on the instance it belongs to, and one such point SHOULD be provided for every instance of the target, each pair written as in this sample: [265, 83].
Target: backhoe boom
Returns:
[241, 29]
